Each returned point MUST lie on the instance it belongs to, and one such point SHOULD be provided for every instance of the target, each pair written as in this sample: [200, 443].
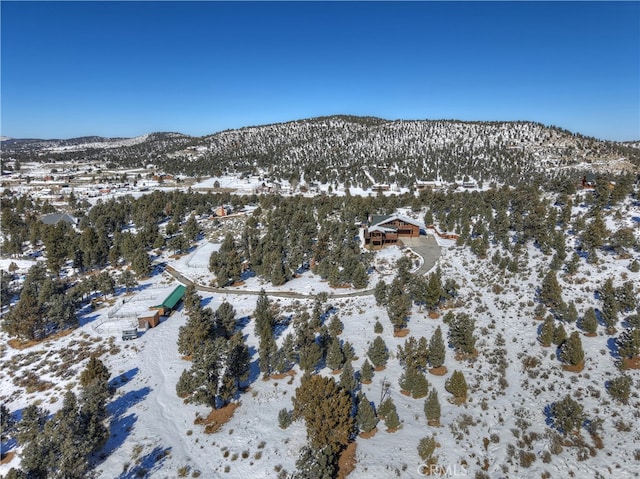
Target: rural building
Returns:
[170, 303]
[149, 319]
[55, 218]
[387, 230]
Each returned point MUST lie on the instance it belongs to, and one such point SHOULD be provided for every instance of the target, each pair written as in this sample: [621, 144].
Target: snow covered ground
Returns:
[153, 432]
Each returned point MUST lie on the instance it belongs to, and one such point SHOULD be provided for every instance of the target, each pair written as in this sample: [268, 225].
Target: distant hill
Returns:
[356, 151]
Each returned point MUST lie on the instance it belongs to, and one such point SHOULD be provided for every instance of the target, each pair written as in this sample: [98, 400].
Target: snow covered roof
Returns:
[381, 220]
[55, 218]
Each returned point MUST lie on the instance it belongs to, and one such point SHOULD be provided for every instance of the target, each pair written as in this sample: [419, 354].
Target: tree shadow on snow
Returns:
[612, 344]
[123, 378]
[146, 465]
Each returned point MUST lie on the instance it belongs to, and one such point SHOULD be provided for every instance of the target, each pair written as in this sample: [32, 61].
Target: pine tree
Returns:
[629, 343]
[420, 386]
[378, 352]
[398, 307]
[589, 322]
[284, 418]
[94, 371]
[461, 334]
[335, 357]
[335, 326]
[559, 335]
[571, 313]
[620, 388]
[550, 291]
[348, 351]
[359, 278]
[225, 319]
[433, 293]
[571, 350]
[567, 415]
[610, 306]
[366, 419]
[426, 448]
[432, 408]
[436, 350]
[377, 328]
[380, 293]
[385, 407]
[238, 359]
[457, 385]
[316, 463]
[348, 379]
[366, 372]
[198, 329]
[546, 332]
[326, 410]
[392, 420]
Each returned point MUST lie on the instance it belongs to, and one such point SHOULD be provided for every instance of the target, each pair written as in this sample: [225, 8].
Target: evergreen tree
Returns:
[629, 343]
[398, 306]
[433, 293]
[571, 350]
[316, 463]
[366, 419]
[225, 319]
[620, 388]
[238, 359]
[559, 335]
[461, 335]
[420, 385]
[377, 328]
[348, 351]
[392, 420]
[385, 407]
[432, 408]
[198, 329]
[426, 448]
[589, 322]
[335, 326]
[366, 372]
[546, 332]
[378, 352]
[335, 357]
[436, 350]
[94, 371]
[457, 385]
[550, 291]
[571, 313]
[347, 379]
[359, 278]
[610, 306]
[326, 410]
[380, 293]
[567, 415]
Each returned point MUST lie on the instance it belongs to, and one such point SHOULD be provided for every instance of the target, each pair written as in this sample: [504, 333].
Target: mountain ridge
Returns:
[356, 150]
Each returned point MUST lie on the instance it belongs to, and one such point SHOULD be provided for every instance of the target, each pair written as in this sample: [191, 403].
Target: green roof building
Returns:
[172, 300]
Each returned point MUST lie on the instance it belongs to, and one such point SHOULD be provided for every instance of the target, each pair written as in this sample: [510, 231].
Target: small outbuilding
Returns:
[149, 320]
[170, 303]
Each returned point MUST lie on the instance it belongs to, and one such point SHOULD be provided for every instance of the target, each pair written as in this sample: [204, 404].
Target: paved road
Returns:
[425, 246]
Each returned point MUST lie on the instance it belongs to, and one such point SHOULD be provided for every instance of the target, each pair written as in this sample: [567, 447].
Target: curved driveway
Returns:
[425, 246]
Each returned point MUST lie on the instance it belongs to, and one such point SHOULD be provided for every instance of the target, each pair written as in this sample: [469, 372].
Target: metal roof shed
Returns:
[173, 299]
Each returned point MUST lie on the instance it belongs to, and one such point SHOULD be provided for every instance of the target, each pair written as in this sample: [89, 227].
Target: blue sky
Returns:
[127, 68]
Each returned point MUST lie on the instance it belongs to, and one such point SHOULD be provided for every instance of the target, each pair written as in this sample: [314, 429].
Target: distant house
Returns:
[387, 230]
[589, 181]
[55, 218]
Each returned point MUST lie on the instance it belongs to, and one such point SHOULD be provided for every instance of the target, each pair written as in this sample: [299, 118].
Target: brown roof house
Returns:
[387, 230]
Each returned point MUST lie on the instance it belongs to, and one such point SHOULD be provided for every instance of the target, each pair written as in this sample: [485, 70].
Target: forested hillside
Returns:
[355, 151]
